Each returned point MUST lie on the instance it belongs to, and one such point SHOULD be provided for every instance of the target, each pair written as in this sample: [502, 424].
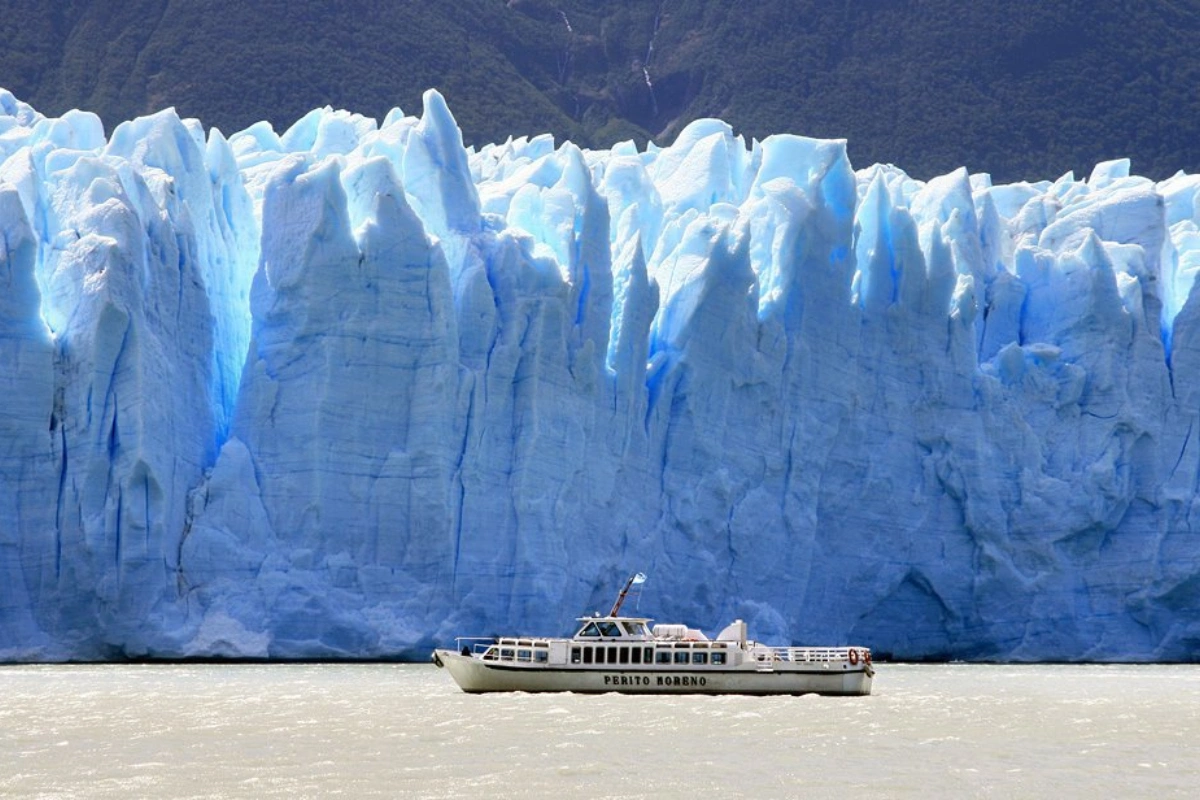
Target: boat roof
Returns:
[613, 619]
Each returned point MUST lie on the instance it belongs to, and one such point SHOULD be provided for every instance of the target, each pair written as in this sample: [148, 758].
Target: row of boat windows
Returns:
[642, 655]
[611, 654]
[506, 654]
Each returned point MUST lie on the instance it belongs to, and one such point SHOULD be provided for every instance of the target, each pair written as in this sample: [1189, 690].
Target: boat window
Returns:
[663, 657]
[636, 655]
[624, 655]
[718, 658]
[609, 629]
[506, 654]
[576, 655]
[541, 656]
[590, 630]
[612, 655]
[635, 628]
[681, 656]
[648, 655]
[523, 655]
[587, 655]
[699, 657]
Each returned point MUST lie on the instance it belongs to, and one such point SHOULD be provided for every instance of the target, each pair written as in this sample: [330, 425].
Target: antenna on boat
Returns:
[634, 580]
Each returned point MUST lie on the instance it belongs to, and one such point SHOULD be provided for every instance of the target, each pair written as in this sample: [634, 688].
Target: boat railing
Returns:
[808, 655]
[493, 648]
[472, 642]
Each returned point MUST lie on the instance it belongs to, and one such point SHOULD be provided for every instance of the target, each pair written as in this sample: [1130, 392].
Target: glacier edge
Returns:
[352, 390]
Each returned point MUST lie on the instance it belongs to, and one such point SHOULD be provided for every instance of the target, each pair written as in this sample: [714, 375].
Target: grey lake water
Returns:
[359, 730]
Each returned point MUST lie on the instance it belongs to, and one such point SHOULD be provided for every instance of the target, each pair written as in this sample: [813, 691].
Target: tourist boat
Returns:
[616, 653]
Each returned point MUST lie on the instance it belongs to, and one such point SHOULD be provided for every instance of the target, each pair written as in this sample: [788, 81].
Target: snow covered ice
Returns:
[353, 390]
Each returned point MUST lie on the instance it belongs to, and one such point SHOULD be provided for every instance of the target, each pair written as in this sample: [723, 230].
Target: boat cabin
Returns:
[614, 628]
[625, 641]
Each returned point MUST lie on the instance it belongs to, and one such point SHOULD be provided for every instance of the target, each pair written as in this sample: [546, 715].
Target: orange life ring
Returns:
[853, 657]
[867, 656]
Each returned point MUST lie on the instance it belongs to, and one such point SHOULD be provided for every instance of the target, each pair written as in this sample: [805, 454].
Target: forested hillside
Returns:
[1021, 89]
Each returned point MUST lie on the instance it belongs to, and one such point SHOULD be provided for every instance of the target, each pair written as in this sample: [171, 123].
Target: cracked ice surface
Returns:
[353, 390]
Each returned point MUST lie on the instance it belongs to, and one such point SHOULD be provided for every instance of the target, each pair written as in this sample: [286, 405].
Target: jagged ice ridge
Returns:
[354, 389]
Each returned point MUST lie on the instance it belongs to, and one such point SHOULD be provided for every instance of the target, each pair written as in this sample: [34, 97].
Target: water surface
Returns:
[218, 731]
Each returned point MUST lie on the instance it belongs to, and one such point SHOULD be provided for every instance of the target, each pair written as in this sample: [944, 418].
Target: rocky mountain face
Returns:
[1021, 90]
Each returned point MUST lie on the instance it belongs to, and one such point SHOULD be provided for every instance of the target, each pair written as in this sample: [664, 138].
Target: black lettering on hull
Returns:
[627, 680]
[682, 680]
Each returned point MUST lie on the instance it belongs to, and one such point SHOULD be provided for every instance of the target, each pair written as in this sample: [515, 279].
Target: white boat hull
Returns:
[829, 678]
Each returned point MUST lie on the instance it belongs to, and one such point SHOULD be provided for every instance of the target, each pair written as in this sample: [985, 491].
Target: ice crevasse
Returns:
[353, 390]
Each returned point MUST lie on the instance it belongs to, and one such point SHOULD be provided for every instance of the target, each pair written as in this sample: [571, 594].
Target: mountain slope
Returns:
[1024, 90]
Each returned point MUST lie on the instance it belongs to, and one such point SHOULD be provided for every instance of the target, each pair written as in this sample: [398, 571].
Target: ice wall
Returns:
[353, 390]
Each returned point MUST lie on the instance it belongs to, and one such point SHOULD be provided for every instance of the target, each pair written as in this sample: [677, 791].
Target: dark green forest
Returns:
[1023, 89]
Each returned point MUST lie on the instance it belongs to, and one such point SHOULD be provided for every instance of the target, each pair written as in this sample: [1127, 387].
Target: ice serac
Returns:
[347, 419]
[352, 389]
[28, 469]
[135, 405]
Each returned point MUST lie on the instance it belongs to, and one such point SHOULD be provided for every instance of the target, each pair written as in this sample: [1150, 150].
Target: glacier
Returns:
[352, 390]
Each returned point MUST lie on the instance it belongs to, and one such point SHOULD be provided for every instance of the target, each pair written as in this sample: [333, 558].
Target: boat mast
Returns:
[633, 579]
